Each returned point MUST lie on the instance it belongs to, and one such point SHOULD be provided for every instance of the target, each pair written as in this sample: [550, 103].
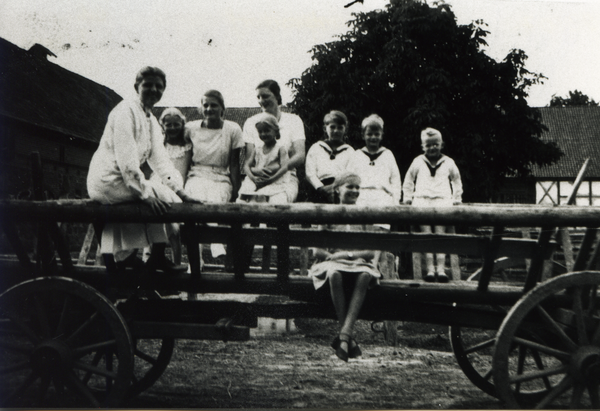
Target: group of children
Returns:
[432, 180]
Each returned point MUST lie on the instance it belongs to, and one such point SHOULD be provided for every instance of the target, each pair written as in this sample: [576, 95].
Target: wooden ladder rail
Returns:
[47, 229]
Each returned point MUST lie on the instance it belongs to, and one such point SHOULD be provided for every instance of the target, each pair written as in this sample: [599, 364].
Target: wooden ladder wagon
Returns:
[74, 329]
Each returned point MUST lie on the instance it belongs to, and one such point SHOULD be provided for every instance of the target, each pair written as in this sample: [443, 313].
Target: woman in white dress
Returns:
[214, 176]
[292, 138]
[131, 138]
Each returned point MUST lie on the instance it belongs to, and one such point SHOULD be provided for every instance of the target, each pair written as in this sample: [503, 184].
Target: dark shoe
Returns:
[165, 265]
[355, 350]
[430, 277]
[335, 343]
[340, 352]
[130, 262]
[442, 278]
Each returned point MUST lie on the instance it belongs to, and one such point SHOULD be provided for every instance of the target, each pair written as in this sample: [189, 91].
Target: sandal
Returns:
[354, 351]
[340, 352]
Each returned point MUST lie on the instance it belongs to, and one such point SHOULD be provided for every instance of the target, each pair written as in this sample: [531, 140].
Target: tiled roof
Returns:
[237, 114]
[37, 91]
[576, 130]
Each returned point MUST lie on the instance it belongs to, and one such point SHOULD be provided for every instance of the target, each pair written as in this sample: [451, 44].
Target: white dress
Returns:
[209, 177]
[291, 129]
[131, 137]
[272, 161]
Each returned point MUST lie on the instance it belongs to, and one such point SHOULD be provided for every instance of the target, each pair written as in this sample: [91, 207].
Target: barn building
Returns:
[49, 109]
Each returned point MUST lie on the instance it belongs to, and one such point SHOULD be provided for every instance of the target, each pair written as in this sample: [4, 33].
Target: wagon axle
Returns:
[585, 364]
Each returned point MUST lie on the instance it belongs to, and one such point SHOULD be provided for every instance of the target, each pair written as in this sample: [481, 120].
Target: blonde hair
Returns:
[372, 120]
[270, 120]
[430, 133]
[343, 179]
[171, 111]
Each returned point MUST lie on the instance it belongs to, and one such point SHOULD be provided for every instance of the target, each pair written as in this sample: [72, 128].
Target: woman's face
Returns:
[150, 90]
[267, 100]
[211, 109]
[173, 126]
[349, 191]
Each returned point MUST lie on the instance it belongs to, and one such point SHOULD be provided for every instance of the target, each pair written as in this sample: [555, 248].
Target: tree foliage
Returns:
[412, 64]
[576, 98]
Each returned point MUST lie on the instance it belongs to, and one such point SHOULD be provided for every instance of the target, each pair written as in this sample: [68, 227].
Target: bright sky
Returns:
[232, 45]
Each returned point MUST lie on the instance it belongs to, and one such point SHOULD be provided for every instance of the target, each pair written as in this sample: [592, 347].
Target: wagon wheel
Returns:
[151, 359]
[557, 328]
[57, 336]
[473, 349]
[152, 356]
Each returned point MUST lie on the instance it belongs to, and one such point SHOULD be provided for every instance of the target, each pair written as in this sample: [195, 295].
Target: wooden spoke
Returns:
[579, 316]
[44, 385]
[83, 327]
[548, 350]
[95, 361]
[145, 357]
[557, 328]
[25, 329]
[482, 345]
[538, 374]
[556, 392]
[578, 390]
[81, 351]
[540, 364]
[75, 385]
[31, 378]
[66, 310]
[15, 367]
[42, 317]
[594, 395]
[95, 370]
[488, 374]
[520, 365]
[19, 348]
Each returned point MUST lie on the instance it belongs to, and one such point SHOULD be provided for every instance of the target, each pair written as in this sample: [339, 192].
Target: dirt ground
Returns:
[300, 370]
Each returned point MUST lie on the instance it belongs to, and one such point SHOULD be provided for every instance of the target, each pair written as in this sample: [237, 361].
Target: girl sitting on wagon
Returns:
[346, 274]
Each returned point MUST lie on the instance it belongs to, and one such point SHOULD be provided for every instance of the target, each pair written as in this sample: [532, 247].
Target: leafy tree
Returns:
[576, 98]
[412, 64]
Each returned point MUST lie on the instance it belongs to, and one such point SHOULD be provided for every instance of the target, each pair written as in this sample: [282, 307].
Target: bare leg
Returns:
[428, 256]
[337, 296]
[356, 302]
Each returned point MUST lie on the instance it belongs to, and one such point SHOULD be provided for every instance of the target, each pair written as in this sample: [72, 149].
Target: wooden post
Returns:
[87, 245]
[283, 252]
[454, 259]
[387, 264]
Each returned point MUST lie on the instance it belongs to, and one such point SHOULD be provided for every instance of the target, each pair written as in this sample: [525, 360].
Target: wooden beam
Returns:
[298, 213]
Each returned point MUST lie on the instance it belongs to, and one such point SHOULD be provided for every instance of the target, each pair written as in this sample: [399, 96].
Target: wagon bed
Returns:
[548, 343]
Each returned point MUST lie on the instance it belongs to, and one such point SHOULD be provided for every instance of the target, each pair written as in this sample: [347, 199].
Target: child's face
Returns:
[266, 133]
[335, 131]
[349, 191]
[373, 136]
[172, 126]
[432, 147]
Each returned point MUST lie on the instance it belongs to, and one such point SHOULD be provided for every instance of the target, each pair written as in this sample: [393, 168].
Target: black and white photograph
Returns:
[317, 204]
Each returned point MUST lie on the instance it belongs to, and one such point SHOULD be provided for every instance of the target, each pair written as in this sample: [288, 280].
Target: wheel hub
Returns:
[51, 357]
[585, 364]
